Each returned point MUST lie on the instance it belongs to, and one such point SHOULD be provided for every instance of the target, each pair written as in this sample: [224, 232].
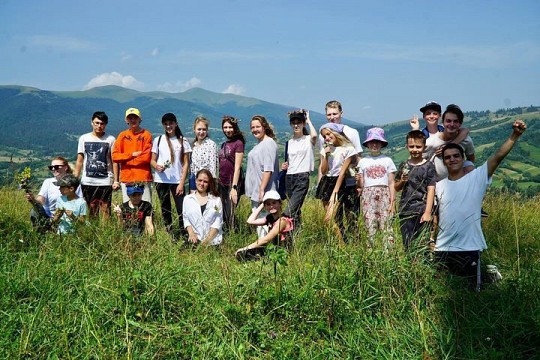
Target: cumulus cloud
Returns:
[180, 85]
[234, 89]
[114, 78]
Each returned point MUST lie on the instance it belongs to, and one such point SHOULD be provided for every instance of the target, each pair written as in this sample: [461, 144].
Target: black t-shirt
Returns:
[414, 193]
[134, 218]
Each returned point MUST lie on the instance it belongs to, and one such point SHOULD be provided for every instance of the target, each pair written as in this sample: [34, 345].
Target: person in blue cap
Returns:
[136, 214]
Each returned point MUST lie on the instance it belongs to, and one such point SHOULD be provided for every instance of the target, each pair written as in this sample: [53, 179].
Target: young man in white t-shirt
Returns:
[99, 174]
[460, 239]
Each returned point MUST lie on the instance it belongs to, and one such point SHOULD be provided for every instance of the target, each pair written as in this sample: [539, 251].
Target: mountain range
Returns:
[39, 124]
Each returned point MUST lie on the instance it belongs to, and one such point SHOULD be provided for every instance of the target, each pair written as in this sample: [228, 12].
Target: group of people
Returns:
[441, 189]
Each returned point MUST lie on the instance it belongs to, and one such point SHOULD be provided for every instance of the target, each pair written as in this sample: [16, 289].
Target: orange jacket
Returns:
[133, 169]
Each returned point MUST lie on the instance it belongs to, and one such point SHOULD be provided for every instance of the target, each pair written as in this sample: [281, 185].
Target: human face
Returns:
[170, 126]
[272, 206]
[374, 147]
[136, 198]
[202, 183]
[328, 136]
[257, 130]
[133, 121]
[453, 160]
[98, 127]
[297, 126]
[201, 131]
[333, 115]
[58, 168]
[451, 124]
[432, 116]
[67, 190]
[228, 129]
[416, 147]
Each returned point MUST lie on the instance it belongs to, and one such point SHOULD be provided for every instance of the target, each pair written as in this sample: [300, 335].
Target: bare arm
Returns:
[116, 174]
[185, 166]
[211, 235]
[312, 132]
[266, 176]
[462, 134]
[518, 128]
[149, 225]
[78, 165]
[276, 229]
[254, 219]
[238, 158]
[391, 187]
[426, 216]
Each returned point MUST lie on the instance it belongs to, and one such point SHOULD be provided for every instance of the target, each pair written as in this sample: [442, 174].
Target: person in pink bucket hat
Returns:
[375, 178]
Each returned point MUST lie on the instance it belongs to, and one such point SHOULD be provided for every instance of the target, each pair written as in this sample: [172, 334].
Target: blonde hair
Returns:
[341, 139]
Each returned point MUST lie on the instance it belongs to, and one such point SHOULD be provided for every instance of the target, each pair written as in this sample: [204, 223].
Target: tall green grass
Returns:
[99, 294]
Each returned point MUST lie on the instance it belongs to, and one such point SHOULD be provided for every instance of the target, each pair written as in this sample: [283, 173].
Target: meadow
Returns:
[97, 294]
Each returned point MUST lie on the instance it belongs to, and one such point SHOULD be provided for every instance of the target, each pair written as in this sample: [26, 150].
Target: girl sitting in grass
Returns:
[280, 228]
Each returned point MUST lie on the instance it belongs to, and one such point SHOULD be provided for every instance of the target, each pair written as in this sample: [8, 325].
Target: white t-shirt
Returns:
[460, 204]
[435, 142]
[337, 157]
[300, 152]
[97, 164]
[376, 169]
[173, 173]
[354, 137]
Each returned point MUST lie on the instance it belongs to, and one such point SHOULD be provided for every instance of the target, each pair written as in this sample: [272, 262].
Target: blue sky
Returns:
[381, 59]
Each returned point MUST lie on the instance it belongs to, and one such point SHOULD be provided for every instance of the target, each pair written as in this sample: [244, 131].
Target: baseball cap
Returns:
[271, 195]
[133, 111]
[134, 189]
[431, 105]
[67, 180]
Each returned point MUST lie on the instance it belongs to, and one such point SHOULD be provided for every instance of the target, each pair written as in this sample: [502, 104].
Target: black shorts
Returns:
[326, 187]
[461, 263]
[97, 194]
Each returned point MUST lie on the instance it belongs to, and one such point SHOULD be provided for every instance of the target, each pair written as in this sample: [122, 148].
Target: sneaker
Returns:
[493, 273]
[483, 213]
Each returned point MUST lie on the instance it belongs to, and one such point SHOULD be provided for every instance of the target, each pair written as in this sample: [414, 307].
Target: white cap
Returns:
[271, 195]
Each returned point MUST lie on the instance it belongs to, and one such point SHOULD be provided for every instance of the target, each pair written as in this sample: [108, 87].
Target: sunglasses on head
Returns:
[55, 167]
[230, 119]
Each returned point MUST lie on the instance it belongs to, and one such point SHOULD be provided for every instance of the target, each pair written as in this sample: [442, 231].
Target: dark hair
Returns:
[237, 134]
[212, 187]
[101, 116]
[268, 130]
[416, 134]
[333, 104]
[454, 109]
[65, 163]
[299, 115]
[177, 133]
[453, 146]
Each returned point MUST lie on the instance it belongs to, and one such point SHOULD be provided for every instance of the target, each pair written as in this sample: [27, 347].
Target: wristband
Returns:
[235, 187]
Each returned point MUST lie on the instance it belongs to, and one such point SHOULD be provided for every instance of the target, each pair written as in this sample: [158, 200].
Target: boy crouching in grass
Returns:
[70, 208]
[136, 214]
[416, 180]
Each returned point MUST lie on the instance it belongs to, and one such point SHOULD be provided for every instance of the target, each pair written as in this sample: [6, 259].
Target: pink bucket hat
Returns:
[375, 134]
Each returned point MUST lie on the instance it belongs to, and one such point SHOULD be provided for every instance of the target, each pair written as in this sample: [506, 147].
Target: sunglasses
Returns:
[55, 167]
[230, 119]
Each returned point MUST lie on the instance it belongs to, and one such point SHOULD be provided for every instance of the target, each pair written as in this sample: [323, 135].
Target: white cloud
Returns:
[65, 43]
[155, 52]
[180, 86]
[114, 78]
[234, 89]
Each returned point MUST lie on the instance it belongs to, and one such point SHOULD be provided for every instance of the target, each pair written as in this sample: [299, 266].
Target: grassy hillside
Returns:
[98, 294]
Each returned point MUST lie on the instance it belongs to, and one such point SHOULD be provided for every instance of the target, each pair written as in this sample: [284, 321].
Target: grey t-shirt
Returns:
[263, 157]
